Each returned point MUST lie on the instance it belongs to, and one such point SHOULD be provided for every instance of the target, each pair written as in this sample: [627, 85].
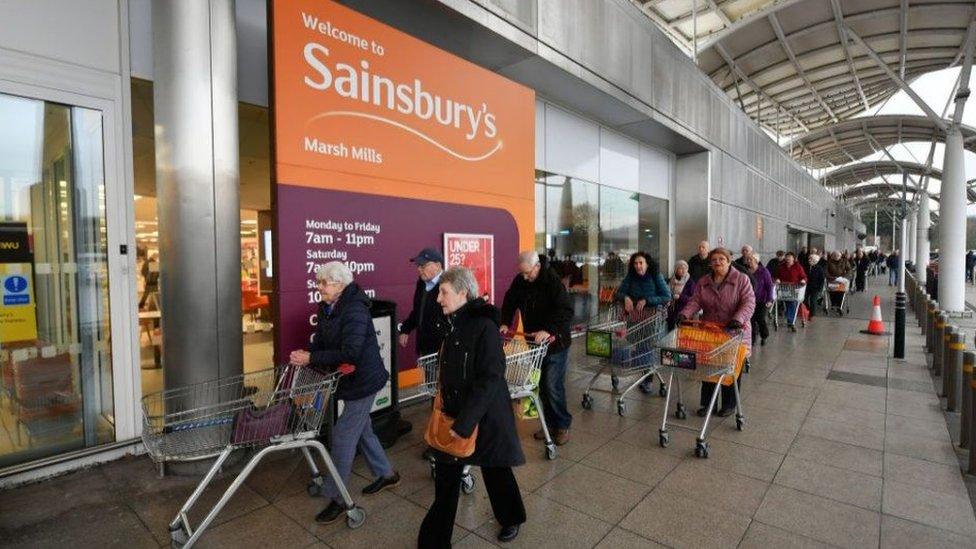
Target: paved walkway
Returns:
[843, 447]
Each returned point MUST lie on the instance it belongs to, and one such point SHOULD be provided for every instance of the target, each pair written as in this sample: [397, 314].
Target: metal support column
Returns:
[922, 239]
[198, 183]
[900, 298]
[952, 226]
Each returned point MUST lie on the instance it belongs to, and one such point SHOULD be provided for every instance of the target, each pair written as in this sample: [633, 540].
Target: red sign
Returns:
[476, 252]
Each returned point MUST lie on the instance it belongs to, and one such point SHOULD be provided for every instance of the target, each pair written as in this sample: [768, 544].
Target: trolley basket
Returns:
[270, 410]
[623, 345]
[700, 351]
[787, 293]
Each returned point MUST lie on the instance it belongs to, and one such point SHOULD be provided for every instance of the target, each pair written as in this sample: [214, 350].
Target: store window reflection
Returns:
[56, 391]
[590, 233]
[572, 231]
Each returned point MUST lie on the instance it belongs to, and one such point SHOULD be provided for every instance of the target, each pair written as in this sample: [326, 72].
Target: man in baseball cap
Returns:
[427, 317]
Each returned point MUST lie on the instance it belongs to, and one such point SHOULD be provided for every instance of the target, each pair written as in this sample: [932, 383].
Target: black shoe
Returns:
[703, 411]
[330, 514]
[792, 328]
[508, 533]
[726, 412]
[382, 483]
[646, 387]
[762, 342]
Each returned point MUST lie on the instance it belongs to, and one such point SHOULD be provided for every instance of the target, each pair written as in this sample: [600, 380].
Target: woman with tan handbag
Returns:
[472, 422]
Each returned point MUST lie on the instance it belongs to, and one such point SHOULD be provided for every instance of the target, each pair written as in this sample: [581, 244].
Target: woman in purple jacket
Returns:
[724, 297]
[764, 297]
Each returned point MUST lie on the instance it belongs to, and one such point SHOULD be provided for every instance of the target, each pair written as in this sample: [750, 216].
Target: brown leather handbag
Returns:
[438, 434]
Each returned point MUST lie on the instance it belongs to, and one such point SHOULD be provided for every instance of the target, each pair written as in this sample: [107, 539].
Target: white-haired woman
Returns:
[473, 392]
[344, 334]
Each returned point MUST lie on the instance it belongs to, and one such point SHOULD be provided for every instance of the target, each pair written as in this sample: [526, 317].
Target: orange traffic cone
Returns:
[875, 325]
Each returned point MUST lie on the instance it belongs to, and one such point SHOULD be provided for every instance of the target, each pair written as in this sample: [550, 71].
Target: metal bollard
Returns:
[972, 428]
[968, 360]
[938, 342]
[927, 321]
[953, 369]
[930, 328]
[944, 363]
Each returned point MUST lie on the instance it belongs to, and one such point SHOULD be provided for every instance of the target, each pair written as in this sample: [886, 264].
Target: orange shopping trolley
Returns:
[701, 351]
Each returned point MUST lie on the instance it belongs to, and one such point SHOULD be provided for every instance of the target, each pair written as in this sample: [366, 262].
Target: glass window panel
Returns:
[653, 229]
[572, 231]
[55, 362]
[618, 233]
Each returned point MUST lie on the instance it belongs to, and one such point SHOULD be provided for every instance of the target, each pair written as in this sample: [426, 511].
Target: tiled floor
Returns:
[843, 447]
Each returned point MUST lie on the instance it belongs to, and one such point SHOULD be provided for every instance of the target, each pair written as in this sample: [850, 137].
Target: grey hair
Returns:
[757, 257]
[462, 280]
[681, 263]
[334, 271]
[529, 258]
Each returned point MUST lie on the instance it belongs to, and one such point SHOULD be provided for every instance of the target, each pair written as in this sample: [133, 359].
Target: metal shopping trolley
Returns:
[624, 344]
[273, 410]
[701, 351]
[523, 370]
[835, 296]
[788, 293]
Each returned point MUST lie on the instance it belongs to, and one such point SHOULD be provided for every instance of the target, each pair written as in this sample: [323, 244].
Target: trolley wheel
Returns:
[587, 401]
[701, 449]
[178, 536]
[740, 423]
[680, 412]
[550, 451]
[615, 381]
[664, 439]
[621, 407]
[355, 517]
[662, 390]
[467, 483]
[433, 470]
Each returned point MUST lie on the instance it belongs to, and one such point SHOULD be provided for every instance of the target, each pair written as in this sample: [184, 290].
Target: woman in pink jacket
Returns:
[725, 297]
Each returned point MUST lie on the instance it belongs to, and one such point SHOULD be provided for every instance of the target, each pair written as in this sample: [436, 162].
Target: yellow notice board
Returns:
[18, 320]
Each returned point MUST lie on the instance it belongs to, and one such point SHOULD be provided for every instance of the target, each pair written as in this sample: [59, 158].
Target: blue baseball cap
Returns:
[427, 255]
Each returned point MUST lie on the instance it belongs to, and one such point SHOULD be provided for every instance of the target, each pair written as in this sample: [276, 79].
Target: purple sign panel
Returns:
[375, 236]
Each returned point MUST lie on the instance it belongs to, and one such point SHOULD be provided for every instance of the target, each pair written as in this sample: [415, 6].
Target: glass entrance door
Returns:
[56, 378]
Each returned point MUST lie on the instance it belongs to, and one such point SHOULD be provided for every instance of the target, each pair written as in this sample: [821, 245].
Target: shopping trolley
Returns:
[623, 343]
[835, 296]
[523, 369]
[277, 409]
[700, 351]
[788, 292]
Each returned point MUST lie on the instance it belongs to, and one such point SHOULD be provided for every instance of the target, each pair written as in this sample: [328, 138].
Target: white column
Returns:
[952, 226]
[910, 236]
[875, 241]
[922, 238]
[197, 188]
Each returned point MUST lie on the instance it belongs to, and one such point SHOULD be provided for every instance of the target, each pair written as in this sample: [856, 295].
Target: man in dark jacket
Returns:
[344, 334]
[698, 264]
[539, 294]
[773, 264]
[426, 317]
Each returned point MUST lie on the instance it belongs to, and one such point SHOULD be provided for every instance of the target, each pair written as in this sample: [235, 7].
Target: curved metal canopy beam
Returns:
[837, 144]
[800, 55]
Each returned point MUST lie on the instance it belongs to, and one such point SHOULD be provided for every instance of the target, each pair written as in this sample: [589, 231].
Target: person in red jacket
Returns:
[791, 272]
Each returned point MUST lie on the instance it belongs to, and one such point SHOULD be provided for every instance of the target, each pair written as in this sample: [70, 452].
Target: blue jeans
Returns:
[552, 392]
[892, 277]
[355, 429]
[790, 312]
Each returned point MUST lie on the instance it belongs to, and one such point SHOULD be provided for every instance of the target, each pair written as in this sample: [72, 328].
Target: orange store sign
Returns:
[360, 98]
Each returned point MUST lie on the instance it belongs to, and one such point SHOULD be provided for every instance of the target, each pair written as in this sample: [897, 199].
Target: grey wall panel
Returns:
[522, 12]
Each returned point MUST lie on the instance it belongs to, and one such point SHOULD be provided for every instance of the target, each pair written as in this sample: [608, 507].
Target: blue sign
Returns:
[15, 284]
[16, 299]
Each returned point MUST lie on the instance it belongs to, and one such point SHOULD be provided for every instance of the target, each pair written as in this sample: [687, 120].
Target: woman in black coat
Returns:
[474, 392]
